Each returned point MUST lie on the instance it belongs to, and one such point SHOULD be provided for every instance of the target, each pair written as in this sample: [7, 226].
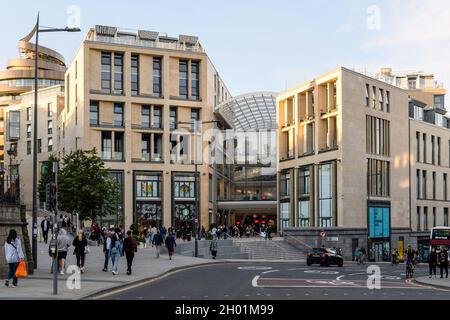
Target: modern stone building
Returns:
[126, 94]
[348, 161]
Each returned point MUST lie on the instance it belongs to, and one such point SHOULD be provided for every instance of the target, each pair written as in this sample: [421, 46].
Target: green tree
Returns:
[46, 176]
[85, 186]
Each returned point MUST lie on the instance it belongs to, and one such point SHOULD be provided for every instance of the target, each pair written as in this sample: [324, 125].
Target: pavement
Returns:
[282, 281]
[94, 280]
[437, 282]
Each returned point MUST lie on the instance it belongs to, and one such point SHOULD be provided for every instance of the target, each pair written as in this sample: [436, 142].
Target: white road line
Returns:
[294, 269]
[270, 271]
[255, 282]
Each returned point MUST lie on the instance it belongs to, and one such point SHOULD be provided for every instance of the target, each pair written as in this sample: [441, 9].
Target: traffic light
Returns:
[50, 196]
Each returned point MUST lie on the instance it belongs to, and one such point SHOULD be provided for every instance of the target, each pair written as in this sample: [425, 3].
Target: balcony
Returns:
[115, 156]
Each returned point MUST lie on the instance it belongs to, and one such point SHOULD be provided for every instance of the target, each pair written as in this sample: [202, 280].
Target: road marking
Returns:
[288, 294]
[183, 297]
[321, 272]
[140, 297]
[270, 271]
[247, 295]
[252, 268]
[161, 297]
[294, 269]
[205, 296]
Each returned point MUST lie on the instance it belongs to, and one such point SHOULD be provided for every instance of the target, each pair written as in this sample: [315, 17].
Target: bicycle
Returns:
[409, 269]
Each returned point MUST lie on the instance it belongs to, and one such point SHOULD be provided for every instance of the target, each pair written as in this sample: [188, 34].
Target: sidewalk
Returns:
[94, 280]
[435, 282]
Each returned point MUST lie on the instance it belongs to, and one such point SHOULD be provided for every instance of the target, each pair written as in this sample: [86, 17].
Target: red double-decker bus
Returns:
[440, 237]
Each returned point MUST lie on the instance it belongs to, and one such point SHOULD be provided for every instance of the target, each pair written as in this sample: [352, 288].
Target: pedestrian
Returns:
[116, 250]
[63, 243]
[13, 254]
[46, 226]
[157, 242]
[213, 247]
[443, 262]
[107, 250]
[432, 262]
[164, 233]
[170, 244]
[269, 232]
[357, 255]
[63, 221]
[129, 248]
[80, 243]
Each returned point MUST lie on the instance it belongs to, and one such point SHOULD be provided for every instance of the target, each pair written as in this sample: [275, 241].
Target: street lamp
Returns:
[197, 219]
[38, 30]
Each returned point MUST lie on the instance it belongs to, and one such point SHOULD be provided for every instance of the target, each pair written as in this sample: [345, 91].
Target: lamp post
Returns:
[197, 219]
[38, 30]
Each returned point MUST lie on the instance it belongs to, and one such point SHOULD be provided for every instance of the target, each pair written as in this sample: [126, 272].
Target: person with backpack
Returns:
[129, 248]
[170, 244]
[443, 262]
[13, 254]
[63, 242]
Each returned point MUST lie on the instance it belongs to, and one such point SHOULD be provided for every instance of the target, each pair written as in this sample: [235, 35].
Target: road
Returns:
[286, 281]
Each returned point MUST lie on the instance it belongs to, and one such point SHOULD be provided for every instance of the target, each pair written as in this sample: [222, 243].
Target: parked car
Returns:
[324, 257]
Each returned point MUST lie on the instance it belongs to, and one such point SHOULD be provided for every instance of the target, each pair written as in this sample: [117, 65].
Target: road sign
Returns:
[323, 234]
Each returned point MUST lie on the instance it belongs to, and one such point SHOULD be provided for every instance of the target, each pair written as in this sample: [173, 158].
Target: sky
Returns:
[260, 45]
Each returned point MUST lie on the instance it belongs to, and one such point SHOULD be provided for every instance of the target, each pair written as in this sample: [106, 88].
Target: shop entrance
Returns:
[379, 250]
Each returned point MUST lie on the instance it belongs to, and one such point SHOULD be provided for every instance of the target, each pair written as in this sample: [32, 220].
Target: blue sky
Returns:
[266, 44]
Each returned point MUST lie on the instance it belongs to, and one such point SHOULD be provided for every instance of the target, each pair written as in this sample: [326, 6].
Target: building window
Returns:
[94, 113]
[304, 188]
[445, 217]
[374, 97]
[439, 150]
[445, 188]
[418, 183]
[106, 72]
[106, 145]
[326, 195]
[195, 80]
[439, 101]
[145, 116]
[195, 118]
[418, 219]
[118, 115]
[28, 114]
[424, 184]
[439, 120]
[184, 79]
[432, 150]
[157, 117]
[285, 185]
[210, 188]
[377, 136]
[157, 72]
[135, 74]
[50, 144]
[425, 218]
[434, 185]
[381, 99]
[434, 217]
[148, 186]
[118, 146]
[14, 124]
[49, 126]
[173, 118]
[379, 178]
[118, 73]
[285, 214]
[388, 103]
[145, 146]
[424, 148]
[418, 113]
[157, 147]
[412, 84]
[39, 146]
[418, 146]
[28, 147]
[28, 130]
[379, 222]
[184, 187]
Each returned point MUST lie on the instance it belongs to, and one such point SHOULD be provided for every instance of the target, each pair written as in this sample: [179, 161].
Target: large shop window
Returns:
[379, 222]
[285, 184]
[117, 218]
[285, 216]
[184, 187]
[304, 187]
[148, 198]
[148, 186]
[379, 178]
[326, 194]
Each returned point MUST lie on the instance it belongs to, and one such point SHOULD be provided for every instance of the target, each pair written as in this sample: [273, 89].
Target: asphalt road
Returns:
[286, 281]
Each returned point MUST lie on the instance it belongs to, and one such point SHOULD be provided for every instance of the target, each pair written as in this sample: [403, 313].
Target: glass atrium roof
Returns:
[250, 111]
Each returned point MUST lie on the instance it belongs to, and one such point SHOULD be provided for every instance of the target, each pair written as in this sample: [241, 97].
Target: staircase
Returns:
[275, 249]
[226, 249]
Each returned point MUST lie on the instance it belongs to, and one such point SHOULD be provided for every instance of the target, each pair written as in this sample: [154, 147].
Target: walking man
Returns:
[45, 226]
[170, 244]
[157, 242]
[432, 262]
[443, 260]
[107, 248]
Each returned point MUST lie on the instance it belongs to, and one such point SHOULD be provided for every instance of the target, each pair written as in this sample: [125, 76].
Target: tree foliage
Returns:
[85, 186]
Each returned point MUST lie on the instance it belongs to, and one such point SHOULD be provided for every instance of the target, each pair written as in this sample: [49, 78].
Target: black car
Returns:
[324, 257]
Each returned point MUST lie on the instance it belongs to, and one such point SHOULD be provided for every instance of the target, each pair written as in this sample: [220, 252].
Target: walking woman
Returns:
[63, 246]
[129, 248]
[432, 262]
[117, 250]
[157, 242]
[80, 243]
[213, 247]
[170, 244]
[13, 254]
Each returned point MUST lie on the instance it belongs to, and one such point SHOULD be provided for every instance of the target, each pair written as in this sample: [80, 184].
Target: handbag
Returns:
[86, 250]
[21, 271]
